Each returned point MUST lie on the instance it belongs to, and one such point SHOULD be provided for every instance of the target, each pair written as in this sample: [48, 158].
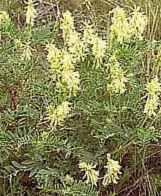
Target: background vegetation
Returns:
[39, 159]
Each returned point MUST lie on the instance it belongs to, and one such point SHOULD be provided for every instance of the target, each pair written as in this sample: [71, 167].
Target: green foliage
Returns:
[70, 96]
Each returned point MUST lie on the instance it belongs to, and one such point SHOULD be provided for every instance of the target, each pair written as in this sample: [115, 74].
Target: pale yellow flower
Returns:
[151, 105]
[91, 174]
[94, 43]
[27, 52]
[75, 46]
[54, 57]
[69, 179]
[89, 34]
[72, 80]
[112, 173]
[67, 25]
[69, 76]
[4, 18]
[67, 61]
[18, 43]
[72, 39]
[31, 13]
[124, 28]
[153, 87]
[137, 23]
[158, 59]
[118, 79]
[57, 115]
[98, 49]
[120, 27]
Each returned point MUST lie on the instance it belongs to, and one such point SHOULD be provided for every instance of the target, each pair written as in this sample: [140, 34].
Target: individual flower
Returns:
[91, 175]
[57, 115]
[112, 173]
[31, 13]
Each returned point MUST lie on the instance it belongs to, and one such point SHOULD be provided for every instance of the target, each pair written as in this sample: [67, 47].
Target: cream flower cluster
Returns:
[58, 114]
[120, 26]
[76, 47]
[27, 52]
[72, 39]
[157, 61]
[24, 49]
[31, 13]
[72, 80]
[88, 34]
[153, 89]
[63, 62]
[92, 175]
[79, 46]
[117, 77]
[54, 58]
[124, 28]
[112, 173]
[98, 46]
[66, 77]
[72, 53]
[4, 18]
[67, 25]
[98, 49]
[137, 24]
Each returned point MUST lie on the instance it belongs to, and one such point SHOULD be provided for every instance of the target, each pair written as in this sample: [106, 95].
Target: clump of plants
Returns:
[74, 104]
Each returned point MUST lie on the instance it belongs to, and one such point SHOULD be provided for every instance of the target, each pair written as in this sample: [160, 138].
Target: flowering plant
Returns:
[68, 96]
